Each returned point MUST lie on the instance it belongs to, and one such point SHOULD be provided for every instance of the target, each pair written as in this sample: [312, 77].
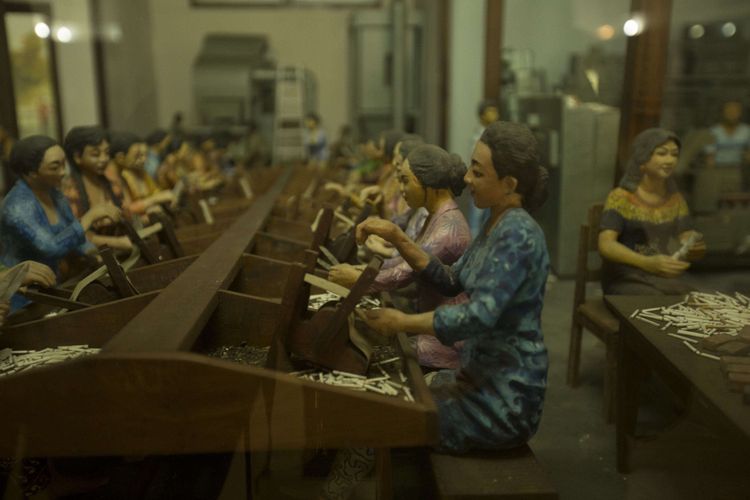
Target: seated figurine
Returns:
[429, 178]
[140, 192]
[157, 142]
[731, 147]
[411, 220]
[495, 400]
[643, 218]
[174, 167]
[36, 221]
[316, 144]
[87, 187]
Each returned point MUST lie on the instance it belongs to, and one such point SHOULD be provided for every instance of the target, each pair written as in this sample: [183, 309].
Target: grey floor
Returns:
[683, 459]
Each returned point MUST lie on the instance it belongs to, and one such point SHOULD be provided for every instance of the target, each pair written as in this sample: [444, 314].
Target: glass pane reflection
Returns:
[31, 70]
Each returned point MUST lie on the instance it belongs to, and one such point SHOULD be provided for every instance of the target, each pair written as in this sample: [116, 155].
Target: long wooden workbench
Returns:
[153, 390]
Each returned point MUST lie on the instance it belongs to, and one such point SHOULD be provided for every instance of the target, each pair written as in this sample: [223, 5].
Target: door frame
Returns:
[8, 113]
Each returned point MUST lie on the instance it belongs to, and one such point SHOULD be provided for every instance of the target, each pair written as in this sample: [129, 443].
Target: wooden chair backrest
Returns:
[588, 242]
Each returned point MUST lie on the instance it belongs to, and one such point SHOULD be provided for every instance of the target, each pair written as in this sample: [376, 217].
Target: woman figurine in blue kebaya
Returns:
[494, 401]
[36, 222]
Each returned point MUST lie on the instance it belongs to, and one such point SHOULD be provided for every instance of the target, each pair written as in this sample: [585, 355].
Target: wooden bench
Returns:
[507, 474]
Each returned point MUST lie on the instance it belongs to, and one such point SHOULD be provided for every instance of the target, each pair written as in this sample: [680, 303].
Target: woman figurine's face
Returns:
[663, 161]
[52, 169]
[94, 158]
[136, 157]
[411, 189]
[485, 187]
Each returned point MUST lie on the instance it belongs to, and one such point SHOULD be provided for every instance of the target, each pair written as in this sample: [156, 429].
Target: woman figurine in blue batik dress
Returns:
[494, 401]
[36, 222]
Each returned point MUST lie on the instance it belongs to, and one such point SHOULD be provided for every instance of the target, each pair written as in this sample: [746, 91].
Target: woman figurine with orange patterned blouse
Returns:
[646, 222]
[140, 192]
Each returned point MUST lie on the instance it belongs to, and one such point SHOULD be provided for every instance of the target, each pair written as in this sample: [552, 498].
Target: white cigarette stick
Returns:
[693, 341]
[689, 346]
[648, 321]
[709, 356]
[347, 374]
[387, 361]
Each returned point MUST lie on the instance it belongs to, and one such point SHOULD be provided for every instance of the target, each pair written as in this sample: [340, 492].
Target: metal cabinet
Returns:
[578, 143]
[381, 86]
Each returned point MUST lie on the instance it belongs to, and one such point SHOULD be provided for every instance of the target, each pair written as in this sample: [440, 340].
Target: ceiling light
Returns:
[64, 34]
[42, 30]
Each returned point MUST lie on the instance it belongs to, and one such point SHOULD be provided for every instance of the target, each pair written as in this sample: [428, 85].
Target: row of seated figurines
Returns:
[68, 199]
[646, 238]
[476, 313]
[475, 316]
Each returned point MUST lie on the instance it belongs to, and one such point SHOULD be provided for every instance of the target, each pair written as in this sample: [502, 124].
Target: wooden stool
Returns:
[504, 474]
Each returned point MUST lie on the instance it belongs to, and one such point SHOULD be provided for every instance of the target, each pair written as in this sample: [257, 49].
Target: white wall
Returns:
[465, 72]
[75, 65]
[316, 38]
[128, 65]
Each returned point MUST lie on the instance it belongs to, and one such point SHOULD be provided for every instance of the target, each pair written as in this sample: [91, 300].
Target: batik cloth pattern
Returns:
[28, 235]
[495, 400]
[446, 236]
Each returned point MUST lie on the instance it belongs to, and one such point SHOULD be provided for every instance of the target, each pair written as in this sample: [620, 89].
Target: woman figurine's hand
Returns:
[344, 275]
[386, 322]
[110, 211]
[379, 227]
[370, 192]
[665, 266]
[39, 274]
[99, 213]
[379, 246]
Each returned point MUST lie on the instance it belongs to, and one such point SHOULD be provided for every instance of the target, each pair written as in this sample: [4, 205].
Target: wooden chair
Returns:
[592, 314]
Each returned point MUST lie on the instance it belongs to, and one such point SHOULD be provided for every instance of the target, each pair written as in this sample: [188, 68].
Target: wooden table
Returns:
[643, 346]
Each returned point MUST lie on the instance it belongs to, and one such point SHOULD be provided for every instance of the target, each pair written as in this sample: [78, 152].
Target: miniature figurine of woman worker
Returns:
[140, 192]
[429, 178]
[495, 400]
[36, 221]
[643, 218]
[315, 139]
[87, 187]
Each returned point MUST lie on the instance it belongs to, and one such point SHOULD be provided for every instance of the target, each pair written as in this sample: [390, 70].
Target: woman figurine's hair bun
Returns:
[436, 168]
[540, 192]
[457, 173]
